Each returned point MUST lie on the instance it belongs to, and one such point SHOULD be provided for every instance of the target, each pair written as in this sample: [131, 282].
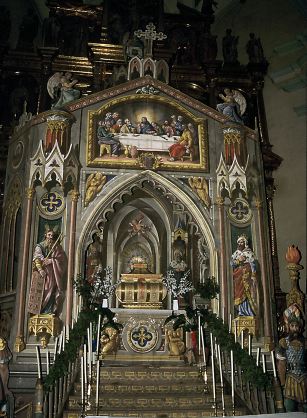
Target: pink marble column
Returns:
[71, 256]
[19, 341]
[265, 275]
[224, 284]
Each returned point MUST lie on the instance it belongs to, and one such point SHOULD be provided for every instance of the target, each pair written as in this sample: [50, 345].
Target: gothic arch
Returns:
[115, 192]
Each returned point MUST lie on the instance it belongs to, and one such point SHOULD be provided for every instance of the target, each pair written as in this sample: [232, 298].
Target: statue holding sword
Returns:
[48, 276]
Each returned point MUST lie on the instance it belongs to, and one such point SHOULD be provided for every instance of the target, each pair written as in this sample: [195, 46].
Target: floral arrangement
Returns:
[100, 287]
[179, 285]
[102, 283]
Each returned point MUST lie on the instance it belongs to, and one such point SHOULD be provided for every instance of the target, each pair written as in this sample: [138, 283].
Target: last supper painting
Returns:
[141, 132]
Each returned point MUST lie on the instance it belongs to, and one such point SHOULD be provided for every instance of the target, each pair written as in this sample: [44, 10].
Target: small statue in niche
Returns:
[93, 257]
[109, 341]
[176, 345]
[254, 50]
[292, 361]
[234, 105]
[230, 51]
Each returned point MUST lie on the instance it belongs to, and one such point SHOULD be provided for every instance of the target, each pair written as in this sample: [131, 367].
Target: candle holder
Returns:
[84, 407]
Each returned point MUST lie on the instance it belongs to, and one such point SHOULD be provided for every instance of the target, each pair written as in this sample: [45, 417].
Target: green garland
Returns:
[208, 289]
[76, 336]
[189, 322]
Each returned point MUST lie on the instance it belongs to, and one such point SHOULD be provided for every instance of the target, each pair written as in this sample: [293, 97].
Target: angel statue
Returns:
[234, 105]
[200, 186]
[94, 185]
[60, 89]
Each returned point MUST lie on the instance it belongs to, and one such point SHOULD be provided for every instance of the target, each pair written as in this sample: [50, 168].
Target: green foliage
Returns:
[76, 337]
[189, 322]
[209, 289]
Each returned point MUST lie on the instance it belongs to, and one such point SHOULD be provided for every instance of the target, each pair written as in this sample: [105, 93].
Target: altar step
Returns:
[151, 392]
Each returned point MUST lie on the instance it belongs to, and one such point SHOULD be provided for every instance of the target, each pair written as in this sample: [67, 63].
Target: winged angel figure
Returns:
[60, 89]
[234, 105]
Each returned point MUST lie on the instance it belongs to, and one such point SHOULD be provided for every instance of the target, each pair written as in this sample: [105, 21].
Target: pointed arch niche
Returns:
[136, 217]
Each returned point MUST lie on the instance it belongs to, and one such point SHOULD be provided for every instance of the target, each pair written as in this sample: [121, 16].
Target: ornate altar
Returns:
[141, 289]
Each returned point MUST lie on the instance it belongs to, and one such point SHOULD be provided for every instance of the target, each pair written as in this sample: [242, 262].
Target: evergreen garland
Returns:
[189, 322]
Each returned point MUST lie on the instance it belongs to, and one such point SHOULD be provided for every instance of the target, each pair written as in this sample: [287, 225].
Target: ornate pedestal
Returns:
[44, 326]
[246, 324]
[141, 290]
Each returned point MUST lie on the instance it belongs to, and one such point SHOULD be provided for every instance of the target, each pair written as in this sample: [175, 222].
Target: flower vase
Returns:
[105, 303]
[175, 305]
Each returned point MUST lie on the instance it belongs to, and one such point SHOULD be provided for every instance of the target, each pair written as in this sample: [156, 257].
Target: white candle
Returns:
[263, 363]
[250, 344]
[230, 324]
[47, 361]
[85, 364]
[258, 356]
[199, 336]
[82, 381]
[220, 363]
[273, 364]
[98, 336]
[55, 347]
[232, 376]
[39, 366]
[203, 345]
[213, 367]
[236, 331]
[97, 383]
[242, 339]
[67, 332]
[60, 343]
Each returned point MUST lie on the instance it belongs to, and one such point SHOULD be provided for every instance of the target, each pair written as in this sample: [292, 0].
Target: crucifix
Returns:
[149, 35]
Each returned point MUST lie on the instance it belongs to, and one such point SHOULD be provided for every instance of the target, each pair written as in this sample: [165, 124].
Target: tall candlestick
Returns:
[221, 378]
[55, 347]
[98, 336]
[47, 361]
[263, 363]
[203, 344]
[273, 364]
[230, 324]
[213, 367]
[242, 339]
[97, 383]
[232, 376]
[199, 336]
[85, 364]
[258, 356]
[250, 344]
[82, 381]
[39, 366]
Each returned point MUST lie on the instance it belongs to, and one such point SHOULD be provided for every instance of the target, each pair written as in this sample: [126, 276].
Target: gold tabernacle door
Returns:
[141, 291]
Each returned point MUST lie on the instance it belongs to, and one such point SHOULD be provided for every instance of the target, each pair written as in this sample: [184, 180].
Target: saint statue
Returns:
[244, 278]
[48, 276]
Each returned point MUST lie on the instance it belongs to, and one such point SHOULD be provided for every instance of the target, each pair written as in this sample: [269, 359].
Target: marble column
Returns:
[19, 341]
[224, 284]
[71, 256]
[267, 284]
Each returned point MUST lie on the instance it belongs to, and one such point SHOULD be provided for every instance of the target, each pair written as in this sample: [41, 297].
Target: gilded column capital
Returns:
[74, 195]
[30, 192]
[19, 344]
[219, 201]
[258, 203]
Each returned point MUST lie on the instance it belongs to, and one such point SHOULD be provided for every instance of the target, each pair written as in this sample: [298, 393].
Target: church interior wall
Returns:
[278, 23]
